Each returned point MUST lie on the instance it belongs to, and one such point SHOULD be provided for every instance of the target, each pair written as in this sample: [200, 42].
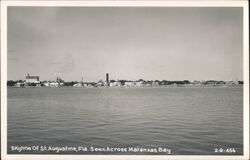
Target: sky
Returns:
[151, 43]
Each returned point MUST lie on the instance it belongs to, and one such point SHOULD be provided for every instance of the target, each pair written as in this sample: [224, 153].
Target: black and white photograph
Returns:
[124, 79]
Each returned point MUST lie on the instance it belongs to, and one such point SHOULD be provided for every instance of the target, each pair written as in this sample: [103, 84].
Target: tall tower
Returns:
[107, 79]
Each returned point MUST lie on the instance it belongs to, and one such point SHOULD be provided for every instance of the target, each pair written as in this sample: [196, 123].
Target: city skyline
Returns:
[129, 43]
[104, 79]
[34, 81]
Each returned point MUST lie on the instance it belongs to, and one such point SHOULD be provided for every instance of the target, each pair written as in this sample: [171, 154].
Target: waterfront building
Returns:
[211, 83]
[137, 84]
[80, 84]
[46, 84]
[128, 84]
[142, 82]
[232, 83]
[196, 82]
[155, 83]
[221, 83]
[88, 85]
[54, 84]
[20, 84]
[100, 83]
[32, 79]
[115, 84]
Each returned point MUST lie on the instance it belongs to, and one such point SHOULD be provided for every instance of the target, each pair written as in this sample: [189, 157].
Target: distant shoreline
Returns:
[162, 86]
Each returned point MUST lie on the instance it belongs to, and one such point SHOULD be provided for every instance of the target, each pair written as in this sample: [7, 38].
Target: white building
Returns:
[128, 84]
[32, 79]
[78, 85]
[53, 84]
[115, 84]
[20, 84]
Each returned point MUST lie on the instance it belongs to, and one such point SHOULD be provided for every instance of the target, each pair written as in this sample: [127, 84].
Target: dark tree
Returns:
[11, 83]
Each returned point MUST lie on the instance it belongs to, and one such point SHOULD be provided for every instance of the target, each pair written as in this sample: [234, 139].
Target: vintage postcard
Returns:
[124, 80]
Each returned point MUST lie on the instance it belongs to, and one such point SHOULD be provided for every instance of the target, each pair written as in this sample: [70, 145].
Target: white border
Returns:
[5, 4]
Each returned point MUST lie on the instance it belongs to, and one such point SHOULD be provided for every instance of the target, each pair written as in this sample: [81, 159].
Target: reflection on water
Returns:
[185, 120]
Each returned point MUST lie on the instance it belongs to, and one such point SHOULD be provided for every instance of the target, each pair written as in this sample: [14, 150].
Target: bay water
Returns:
[188, 121]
